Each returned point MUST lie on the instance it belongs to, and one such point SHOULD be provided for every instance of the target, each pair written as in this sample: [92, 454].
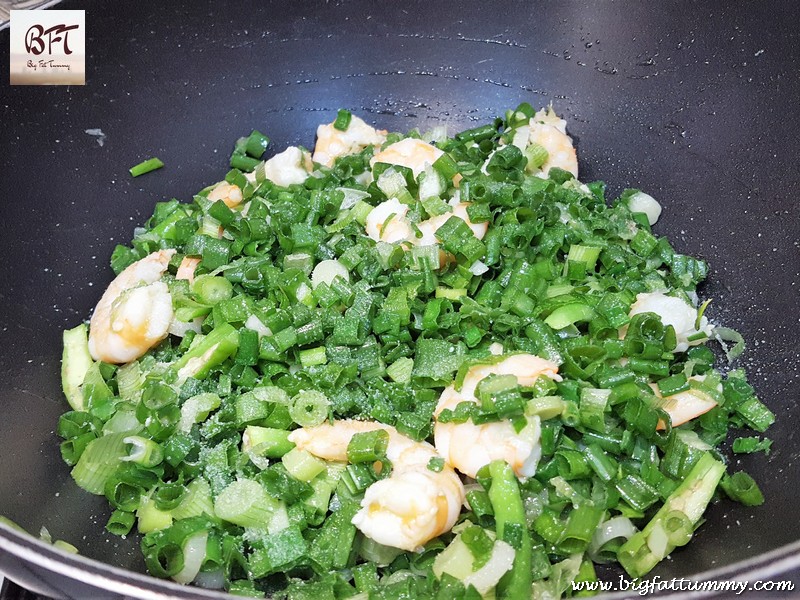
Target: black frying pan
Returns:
[696, 103]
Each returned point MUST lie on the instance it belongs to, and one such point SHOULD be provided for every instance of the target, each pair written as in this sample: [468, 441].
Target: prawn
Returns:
[467, 446]
[672, 311]
[387, 222]
[430, 226]
[333, 143]
[229, 193]
[288, 167]
[685, 406]
[187, 268]
[409, 152]
[135, 312]
[411, 506]
[550, 132]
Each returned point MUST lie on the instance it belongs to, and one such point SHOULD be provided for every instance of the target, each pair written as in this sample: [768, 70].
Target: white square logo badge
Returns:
[48, 47]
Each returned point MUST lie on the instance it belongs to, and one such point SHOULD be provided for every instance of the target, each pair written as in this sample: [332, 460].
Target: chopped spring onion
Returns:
[342, 121]
[194, 553]
[296, 317]
[143, 451]
[151, 164]
[674, 522]
[726, 334]
[639, 202]
[245, 502]
[99, 461]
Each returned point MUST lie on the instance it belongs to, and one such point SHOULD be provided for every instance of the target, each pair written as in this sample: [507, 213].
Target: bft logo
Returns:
[48, 47]
[35, 38]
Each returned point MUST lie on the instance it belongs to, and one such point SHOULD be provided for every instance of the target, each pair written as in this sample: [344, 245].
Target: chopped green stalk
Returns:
[309, 408]
[302, 465]
[245, 502]
[512, 527]
[342, 121]
[151, 164]
[99, 462]
[674, 522]
[266, 441]
[368, 446]
[196, 409]
[196, 502]
[144, 452]
[75, 362]
[568, 315]
[151, 518]
[313, 356]
[120, 522]
[207, 353]
[749, 445]
[742, 488]
[400, 370]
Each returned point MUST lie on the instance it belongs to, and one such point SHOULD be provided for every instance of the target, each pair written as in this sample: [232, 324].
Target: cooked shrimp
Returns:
[550, 132]
[411, 506]
[229, 193]
[430, 226]
[187, 268]
[672, 311]
[409, 152]
[387, 222]
[467, 446]
[685, 406]
[333, 143]
[289, 167]
[134, 313]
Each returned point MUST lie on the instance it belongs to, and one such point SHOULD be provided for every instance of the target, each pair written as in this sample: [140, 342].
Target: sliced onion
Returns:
[618, 527]
[194, 553]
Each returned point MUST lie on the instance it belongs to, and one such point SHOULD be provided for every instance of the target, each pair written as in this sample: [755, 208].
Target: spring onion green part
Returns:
[151, 164]
[419, 298]
[674, 522]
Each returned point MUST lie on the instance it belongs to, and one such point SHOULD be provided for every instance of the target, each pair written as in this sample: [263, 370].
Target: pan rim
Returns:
[132, 583]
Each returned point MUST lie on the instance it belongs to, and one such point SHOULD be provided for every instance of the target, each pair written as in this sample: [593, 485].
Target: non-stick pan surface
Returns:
[696, 103]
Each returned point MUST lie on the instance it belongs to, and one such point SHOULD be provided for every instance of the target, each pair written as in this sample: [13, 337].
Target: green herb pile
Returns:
[563, 266]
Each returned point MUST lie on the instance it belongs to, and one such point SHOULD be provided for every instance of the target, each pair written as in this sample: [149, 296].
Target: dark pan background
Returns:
[694, 102]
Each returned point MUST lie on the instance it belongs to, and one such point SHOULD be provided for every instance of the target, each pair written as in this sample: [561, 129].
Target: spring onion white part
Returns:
[328, 270]
[645, 203]
[75, 362]
[615, 528]
[347, 337]
[194, 552]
